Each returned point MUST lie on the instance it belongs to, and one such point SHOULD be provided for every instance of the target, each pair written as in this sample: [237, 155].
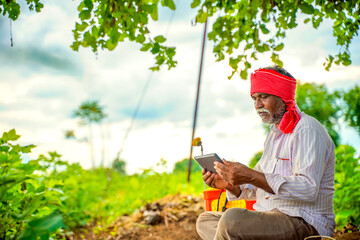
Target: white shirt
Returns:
[300, 168]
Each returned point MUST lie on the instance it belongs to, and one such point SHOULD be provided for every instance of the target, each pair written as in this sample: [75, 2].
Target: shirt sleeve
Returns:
[310, 149]
[248, 191]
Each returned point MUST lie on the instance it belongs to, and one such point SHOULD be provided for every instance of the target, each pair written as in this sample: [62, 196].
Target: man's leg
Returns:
[239, 223]
[207, 223]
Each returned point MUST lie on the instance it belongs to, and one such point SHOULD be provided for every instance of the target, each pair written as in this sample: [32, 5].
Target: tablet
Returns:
[207, 161]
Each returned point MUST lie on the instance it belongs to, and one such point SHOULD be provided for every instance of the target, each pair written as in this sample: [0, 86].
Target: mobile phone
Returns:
[207, 161]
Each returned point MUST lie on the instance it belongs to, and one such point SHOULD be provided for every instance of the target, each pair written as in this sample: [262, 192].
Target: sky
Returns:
[43, 81]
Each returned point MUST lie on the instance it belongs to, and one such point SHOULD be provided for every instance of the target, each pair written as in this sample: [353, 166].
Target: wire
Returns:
[11, 35]
[134, 115]
[147, 83]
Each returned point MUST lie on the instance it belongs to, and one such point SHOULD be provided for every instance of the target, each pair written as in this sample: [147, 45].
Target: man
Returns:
[293, 182]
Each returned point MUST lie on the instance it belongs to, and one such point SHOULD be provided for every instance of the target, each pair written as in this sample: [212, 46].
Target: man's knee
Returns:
[231, 221]
[200, 222]
[206, 224]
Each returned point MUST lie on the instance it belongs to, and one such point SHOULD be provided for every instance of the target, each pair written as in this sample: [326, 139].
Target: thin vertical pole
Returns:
[197, 98]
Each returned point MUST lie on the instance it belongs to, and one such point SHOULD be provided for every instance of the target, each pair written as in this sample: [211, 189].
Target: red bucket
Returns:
[210, 195]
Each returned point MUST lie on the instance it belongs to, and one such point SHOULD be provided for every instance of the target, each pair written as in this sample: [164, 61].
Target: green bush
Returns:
[39, 197]
[27, 196]
[347, 185]
[183, 166]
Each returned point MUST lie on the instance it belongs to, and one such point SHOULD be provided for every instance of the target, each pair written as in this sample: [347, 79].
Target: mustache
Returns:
[262, 110]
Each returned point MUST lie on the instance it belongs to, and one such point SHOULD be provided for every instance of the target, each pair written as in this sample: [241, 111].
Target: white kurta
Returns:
[300, 168]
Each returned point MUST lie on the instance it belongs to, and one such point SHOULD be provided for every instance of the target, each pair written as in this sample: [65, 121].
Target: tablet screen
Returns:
[207, 161]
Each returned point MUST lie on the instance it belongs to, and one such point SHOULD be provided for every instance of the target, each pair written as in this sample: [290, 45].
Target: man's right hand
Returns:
[214, 180]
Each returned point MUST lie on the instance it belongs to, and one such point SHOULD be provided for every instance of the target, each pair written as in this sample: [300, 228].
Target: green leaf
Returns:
[85, 14]
[170, 52]
[27, 149]
[306, 8]
[170, 4]
[156, 48]
[159, 39]
[146, 47]
[89, 4]
[243, 74]
[279, 47]
[140, 38]
[346, 61]
[307, 20]
[201, 17]
[4, 148]
[10, 136]
[195, 3]
[28, 234]
[154, 13]
[111, 45]
[42, 227]
[264, 29]
[81, 27]
[342, 15]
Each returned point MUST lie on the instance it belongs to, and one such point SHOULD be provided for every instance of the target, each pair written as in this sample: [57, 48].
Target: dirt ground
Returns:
[170, 218]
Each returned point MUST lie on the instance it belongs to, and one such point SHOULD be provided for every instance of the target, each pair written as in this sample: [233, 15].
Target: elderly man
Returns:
[293, 182]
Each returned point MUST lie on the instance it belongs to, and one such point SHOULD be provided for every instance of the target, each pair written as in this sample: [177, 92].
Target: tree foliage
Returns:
[315, 100]
[347, 184]
[183, 165]
[255, 26]
[12, 9]
[260, 26]
[90, 112]
[352, 107]
[106, 23]
[255, 159]
[28, 197]
[120, 166]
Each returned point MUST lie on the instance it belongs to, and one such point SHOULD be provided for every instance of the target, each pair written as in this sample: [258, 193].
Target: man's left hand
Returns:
[234, 172]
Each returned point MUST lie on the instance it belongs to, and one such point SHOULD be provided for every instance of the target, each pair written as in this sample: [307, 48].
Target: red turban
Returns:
[271, 82]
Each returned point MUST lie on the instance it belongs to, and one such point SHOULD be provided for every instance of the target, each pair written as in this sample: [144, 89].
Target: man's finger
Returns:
[206, 175]
[227, 163]
[223, 167]
[209, 180]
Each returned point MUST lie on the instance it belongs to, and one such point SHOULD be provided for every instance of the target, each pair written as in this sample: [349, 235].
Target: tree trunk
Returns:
[91, 145]
[102, 144]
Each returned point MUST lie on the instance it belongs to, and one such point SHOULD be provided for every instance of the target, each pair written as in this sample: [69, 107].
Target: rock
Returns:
[152, 217]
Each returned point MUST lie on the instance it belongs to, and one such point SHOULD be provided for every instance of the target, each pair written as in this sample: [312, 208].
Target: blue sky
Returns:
[42, 81]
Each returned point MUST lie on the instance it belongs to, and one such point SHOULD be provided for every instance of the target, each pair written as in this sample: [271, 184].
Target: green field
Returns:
[49, 198]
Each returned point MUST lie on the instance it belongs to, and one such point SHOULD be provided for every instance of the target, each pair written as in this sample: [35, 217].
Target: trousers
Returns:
[242, 224]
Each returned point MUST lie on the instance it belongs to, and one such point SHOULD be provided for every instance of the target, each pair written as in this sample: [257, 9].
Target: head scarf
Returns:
[271, 82]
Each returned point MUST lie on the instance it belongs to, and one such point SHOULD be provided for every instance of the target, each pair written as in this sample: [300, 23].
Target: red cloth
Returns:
[271, 82]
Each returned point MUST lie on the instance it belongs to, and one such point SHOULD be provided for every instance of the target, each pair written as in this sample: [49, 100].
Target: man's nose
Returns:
[258, 104]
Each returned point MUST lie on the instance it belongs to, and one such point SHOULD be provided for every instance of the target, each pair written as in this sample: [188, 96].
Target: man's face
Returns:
[270, 108]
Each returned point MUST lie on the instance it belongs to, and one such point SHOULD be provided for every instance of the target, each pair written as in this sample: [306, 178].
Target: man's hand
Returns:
[214, 180]
[234, 172]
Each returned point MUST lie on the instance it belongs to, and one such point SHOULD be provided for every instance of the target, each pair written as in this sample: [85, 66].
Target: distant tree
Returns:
[352, 107]
[255, 159]
[69, 134]
[120, 166]
[316, 101]
[90, 112]
[183, 166]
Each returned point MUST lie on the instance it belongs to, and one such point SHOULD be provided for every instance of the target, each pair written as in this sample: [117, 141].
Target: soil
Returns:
[170, 218]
